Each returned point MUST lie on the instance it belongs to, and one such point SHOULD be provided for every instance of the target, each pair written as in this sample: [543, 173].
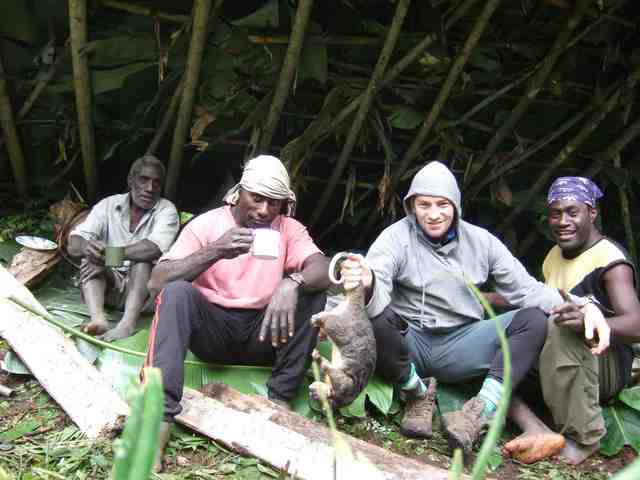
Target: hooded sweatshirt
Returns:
[426, 283]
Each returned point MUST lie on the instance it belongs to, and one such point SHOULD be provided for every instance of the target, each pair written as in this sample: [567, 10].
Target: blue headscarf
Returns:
[579, 189]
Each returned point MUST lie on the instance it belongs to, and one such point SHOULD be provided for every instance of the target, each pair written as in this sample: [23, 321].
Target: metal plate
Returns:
[36, 243]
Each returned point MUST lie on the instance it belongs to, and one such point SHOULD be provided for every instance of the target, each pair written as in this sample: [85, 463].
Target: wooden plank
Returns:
[255, 426]
[75, 384]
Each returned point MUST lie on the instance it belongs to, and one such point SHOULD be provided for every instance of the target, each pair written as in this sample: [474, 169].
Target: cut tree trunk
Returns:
[76, 385]
[252, 425]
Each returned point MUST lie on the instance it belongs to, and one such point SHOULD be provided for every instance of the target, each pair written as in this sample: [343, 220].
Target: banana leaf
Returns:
[623, 428]
[63, 301]
[622, 420]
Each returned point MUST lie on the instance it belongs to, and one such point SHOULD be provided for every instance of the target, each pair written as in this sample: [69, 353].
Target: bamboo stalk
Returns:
[301, 147]
[10, 132]
[166, 119]
[287, 72]
[365, 105]
[443, 95]
[82, 88]
[590, 125]
[626, 215]
[37, 90]
[352, 40]
[201, 9]
[42, 84]
[516, 162]
[533, 88]
[140, 10]
[611, 152]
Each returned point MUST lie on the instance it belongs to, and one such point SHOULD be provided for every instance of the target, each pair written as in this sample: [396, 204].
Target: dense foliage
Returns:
[548, 89]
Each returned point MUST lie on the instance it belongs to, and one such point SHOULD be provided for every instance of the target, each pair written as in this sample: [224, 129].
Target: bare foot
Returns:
[121, 331]
[531, 448]
[575, 453]
[96, 327]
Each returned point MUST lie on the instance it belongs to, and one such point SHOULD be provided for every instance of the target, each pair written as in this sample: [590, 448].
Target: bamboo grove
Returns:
[353, 95]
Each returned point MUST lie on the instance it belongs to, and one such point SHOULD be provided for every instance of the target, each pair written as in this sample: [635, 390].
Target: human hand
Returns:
[233, 242]
[354, 271]
[594, 321]
[89, 270]
[585, 320]
[93, 251]
[279, 317]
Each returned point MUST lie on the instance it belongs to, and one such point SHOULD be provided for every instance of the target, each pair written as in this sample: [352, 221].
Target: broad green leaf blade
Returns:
[134, 453]
[380, 393]
[13, 364]
[267, 16]
[406, 118]
[631, 397]
[623, 428]
[313, 63]
[355, 408]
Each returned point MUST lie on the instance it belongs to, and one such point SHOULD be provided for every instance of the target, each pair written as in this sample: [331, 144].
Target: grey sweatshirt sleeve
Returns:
[515, 284]
[383, 260]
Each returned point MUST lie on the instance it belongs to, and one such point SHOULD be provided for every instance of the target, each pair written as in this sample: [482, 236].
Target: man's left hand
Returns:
[584, 320]
[279, 318]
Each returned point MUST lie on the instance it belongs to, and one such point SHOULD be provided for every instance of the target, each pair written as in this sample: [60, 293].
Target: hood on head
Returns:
[434, 179]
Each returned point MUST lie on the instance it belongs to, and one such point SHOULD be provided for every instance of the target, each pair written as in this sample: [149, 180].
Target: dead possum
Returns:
[353, 357]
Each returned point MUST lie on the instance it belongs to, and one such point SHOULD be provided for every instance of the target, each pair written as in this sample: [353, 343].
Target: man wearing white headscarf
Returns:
[229, 306]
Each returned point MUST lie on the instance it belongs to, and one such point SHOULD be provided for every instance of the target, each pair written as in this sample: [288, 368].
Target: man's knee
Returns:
[388, 322]
[177, 291]
[533, 321]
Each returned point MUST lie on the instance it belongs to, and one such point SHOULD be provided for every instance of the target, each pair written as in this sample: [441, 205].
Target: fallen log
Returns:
[30, 267]
[75, 384]
[253, 425]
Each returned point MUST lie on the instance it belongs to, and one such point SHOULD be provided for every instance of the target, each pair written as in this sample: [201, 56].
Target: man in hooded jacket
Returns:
[427, 320]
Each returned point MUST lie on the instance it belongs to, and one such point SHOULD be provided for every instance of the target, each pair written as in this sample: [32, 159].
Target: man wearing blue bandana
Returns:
[428, 322]
[575, 377]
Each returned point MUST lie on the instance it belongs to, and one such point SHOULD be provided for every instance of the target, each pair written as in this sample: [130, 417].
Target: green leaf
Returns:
[102, 80]
[19, 430]
[485, 60]
[13, 364]
[134, 453]
[356, 408]
[120, 50]
[267, 16]
[313, 63]
[406, 118]
[631, 397]
[623, 428]
[380, 393]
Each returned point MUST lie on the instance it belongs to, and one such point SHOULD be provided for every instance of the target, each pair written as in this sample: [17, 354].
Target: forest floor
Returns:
[39, 441]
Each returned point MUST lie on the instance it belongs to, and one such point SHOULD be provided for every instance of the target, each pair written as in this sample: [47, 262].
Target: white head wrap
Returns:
[266, 176]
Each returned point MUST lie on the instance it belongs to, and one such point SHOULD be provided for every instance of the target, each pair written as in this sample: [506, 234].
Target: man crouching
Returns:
[141, 222]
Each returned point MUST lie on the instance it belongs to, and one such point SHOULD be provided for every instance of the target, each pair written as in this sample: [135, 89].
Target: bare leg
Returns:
[137, 294]
[93, 293]
[537, 441]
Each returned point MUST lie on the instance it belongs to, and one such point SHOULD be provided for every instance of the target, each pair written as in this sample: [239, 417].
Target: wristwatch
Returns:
[297, 277]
